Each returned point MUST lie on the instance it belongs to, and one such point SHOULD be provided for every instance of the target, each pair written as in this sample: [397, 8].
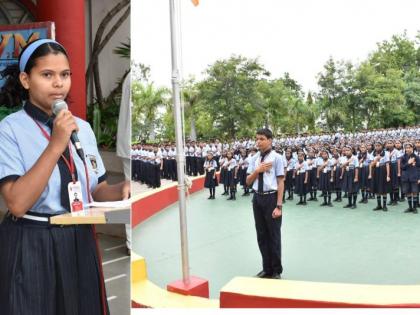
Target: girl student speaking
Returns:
[44, 268]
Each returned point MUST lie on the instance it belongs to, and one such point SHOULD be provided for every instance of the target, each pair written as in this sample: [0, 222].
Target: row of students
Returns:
[388, 169]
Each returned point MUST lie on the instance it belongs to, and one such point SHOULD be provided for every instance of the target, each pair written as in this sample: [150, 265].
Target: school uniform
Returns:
[301, 188]
[312, 180]
[350, 171]
[364, 181]
[242, 173]
[380, 185]
[395, 180]
[47, 269]
[289, 183]
[409, 178]
[172, 165]
[210, 180]
[230, 177]
[264, 202]
[223, 171]
[325, 183]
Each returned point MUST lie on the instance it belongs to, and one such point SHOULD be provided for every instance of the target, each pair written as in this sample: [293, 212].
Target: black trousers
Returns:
[268, 232]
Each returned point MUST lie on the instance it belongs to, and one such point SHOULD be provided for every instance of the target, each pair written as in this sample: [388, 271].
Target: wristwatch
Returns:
[279, 207]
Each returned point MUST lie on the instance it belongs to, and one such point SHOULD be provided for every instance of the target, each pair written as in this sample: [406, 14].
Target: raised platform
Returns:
[262, 293]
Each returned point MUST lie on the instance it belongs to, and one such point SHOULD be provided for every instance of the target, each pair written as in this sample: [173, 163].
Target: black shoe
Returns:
[330, 204]
[339, 200]
[263, 274]
[415, 210]
[385, 208]
[353, 206]
[276, 275]
[230, 198]
[365, 201]
[347, 206]
[377, 208]
[336, 199]
[303, 203]
[390, 203]
[394, 203]
[224, 194]
[289, 198]
[299, 203]
[401, 199]
[315, 199]
[362, 201]
[211, 197]
[323, 204]
[408, 210]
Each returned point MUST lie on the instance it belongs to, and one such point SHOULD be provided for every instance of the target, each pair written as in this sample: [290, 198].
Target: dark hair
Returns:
[13, 93]
[265, 132]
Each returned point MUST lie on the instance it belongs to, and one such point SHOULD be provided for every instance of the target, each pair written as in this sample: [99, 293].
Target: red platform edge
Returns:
[236, 300]
[196, 287]
[146, 207]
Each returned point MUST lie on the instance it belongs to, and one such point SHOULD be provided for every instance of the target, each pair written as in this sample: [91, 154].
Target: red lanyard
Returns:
[70, 164]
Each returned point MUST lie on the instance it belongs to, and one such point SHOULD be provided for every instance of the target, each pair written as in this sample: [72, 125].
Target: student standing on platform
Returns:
[266, 175]
[47, 269]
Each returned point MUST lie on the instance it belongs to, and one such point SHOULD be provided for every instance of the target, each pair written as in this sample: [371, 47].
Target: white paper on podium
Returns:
[111, 204]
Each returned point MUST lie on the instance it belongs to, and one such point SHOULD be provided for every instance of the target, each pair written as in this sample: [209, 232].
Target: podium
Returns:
[95, 216]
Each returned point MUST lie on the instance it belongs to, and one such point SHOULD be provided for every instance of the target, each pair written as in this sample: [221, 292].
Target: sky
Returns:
[286, 36]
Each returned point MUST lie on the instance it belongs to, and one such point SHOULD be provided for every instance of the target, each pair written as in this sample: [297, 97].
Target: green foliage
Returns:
[237, 96]
[148, 105]
[5, 111]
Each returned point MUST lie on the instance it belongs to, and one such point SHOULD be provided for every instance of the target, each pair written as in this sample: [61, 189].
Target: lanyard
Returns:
[70, 164]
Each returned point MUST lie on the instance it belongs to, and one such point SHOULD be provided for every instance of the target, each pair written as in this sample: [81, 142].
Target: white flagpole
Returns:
[180, 157]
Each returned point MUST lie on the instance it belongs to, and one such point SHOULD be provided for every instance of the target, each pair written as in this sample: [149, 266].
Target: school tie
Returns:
[261, 175]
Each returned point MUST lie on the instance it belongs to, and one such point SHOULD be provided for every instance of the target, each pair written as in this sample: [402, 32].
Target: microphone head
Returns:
[58, 106]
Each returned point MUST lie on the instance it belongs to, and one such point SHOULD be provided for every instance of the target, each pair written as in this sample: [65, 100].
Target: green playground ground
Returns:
[318, 243]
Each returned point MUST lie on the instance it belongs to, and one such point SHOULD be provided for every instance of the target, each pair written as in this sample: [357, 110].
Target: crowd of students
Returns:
[373, 164]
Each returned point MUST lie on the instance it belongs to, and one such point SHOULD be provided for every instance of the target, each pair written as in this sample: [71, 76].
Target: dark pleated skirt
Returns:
[242, 174]
[49, 270]
[324, 183]
[222, 175]
[380, 185]
[290, 181]
[348, 184]
[230, 181]
[394, 176]
[312, 180]
[210, 181]
[364, 181]
[337, 180]
[300, 187]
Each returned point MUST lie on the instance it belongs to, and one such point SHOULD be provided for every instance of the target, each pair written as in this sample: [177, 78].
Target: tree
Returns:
[147, 102]
[229, 94]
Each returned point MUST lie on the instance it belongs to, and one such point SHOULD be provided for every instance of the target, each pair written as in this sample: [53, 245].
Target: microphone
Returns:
[57, 107]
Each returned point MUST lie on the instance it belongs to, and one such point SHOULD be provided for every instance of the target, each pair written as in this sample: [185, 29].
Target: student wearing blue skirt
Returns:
[47, 269]
[325, 177]
[210, 182]
[379, 171]
[350, 177]
[410, 165]
[364, 160]
[301, 180]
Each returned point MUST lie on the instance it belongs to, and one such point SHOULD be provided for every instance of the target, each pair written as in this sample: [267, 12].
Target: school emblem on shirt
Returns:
[92, 160]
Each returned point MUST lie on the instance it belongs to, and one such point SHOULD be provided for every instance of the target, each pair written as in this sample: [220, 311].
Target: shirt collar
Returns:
[38, 114]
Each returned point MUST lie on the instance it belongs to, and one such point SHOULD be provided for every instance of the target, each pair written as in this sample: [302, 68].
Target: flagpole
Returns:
[180, 157]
